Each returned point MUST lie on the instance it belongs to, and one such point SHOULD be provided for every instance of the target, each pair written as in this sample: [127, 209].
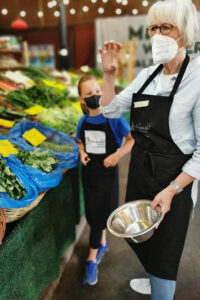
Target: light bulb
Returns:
[4, 11]
[118, 11]
[100, 10]
[22, 13]
[40, 14]
[85, 8]
[56, 13]
[72, 11]
[135, 11]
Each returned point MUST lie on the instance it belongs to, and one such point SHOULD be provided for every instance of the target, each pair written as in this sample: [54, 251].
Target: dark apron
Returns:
[100, 184]
[155, 161]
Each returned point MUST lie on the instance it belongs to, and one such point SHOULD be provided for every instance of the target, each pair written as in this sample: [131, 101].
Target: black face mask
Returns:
[93, 101]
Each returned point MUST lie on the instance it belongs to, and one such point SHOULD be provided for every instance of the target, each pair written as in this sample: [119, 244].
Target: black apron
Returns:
[155, 161]
[100, 184]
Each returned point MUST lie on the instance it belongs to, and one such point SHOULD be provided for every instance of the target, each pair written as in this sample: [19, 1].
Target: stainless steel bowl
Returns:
[134, 220]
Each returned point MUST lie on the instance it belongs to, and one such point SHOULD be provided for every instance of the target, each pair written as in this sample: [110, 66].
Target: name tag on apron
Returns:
[141, 104]
[95, 141]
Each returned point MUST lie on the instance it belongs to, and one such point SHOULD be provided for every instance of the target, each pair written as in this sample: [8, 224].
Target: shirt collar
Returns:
[192, 66]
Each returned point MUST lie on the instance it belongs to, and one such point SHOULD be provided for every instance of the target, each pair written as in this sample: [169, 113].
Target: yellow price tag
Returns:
[34, 110]
[6, 123]
[34, 137]
[6, 148]
[54, 84]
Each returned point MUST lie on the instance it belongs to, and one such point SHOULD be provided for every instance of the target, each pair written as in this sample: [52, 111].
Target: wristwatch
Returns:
[176, 186]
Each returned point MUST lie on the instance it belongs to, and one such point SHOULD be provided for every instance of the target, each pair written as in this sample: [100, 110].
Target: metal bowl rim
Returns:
[124, 235]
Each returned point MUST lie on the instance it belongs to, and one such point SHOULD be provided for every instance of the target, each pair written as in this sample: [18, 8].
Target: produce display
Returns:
[50, 99]
[9, 182]
[41, 160]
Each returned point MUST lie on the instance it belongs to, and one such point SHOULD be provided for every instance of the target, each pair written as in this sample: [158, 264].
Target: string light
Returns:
[145, 3]
[22, 13]
[93, 1]
[51, 4]
[40, 14]
[66, 2]
[135, 11]
[118, 11]
[4, 11]
[56, 13]
[104, 1]
[100, 10]
[85, 8]
[54, 3]
[118, 1]
[72, 11]
[124, 2]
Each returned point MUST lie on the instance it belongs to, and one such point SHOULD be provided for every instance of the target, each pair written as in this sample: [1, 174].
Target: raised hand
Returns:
[109, 56]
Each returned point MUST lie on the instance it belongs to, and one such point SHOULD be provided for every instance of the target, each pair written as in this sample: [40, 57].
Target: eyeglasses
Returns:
[165, 29]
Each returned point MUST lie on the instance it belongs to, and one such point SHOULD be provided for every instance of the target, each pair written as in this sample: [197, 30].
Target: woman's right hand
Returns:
[109, 56]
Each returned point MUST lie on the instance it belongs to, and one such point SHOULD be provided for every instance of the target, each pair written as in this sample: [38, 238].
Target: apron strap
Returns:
[180, 76]
[151, 77]
[178, 80]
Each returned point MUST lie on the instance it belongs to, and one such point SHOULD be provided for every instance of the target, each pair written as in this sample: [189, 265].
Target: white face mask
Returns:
[164, 48]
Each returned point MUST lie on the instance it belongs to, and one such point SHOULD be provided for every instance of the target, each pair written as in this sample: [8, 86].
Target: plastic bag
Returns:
[43, 181]
[7, 202]
[67, 160]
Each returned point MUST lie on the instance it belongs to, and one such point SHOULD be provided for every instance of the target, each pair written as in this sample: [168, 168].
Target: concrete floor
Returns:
[120, 264]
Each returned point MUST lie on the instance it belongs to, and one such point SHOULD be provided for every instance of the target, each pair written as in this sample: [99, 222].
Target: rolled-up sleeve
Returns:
[192, 166]
[121, 103]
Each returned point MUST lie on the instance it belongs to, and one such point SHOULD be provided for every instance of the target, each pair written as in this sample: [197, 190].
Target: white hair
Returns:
[180, 13]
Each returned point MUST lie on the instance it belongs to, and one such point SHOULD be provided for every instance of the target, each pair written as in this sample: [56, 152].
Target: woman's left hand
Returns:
[162, 201]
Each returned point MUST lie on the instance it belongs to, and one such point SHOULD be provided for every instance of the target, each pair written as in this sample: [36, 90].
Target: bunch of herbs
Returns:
[9, 183]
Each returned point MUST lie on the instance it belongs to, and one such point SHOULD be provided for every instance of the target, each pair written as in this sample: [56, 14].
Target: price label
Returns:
[6, 148]
[34, 110]
[34, 137]
[6, 123]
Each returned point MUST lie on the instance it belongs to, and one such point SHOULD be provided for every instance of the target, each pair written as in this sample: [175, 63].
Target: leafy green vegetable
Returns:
[19, 99]
[64, 120]
[41, 160]
[36, 73]
[44, 96]
[56, 147]
[9, 183]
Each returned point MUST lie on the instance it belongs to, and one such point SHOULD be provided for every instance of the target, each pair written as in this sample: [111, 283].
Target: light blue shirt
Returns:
[184, 117]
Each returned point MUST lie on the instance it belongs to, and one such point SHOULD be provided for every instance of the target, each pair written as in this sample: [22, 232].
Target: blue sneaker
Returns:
[91, 272]
[101, 251]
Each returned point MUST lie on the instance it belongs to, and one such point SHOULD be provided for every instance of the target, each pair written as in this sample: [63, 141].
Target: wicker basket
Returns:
[15, 214]
[2, 225]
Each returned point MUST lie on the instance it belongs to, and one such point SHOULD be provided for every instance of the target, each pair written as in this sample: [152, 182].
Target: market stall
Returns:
[39, 112]
[39, 225]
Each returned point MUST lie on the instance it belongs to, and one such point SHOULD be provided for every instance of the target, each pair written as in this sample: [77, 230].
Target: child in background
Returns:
[100, 152]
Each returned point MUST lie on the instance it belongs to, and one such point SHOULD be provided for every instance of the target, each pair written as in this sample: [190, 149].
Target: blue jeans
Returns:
[162, 289]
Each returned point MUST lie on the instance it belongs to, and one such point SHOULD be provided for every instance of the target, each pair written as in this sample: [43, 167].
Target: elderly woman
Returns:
[164, 105]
